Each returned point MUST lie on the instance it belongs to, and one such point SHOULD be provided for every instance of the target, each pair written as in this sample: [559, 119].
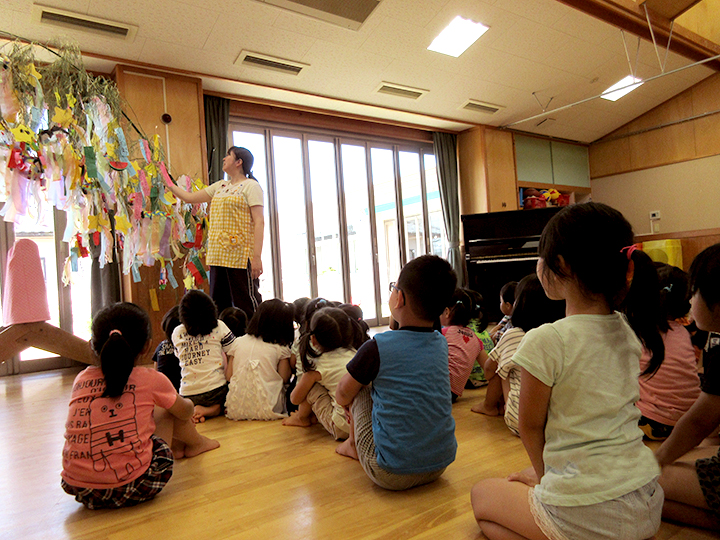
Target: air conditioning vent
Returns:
[82, 22]
[398, 90]
[264, 61]
[481, 106]
[347, 13]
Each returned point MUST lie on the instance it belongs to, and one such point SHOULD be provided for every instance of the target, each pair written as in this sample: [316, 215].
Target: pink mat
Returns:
[24, 295]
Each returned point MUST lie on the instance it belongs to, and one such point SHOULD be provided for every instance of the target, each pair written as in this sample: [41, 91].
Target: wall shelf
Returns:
[560, 188]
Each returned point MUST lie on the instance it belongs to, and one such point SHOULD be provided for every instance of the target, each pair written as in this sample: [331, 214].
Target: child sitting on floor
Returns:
[122, 419]
[235, 319]
[260, 366]
[670, 385]
[532, 308]
[200, 342]
[591, 474]
[479, 324]
[404, 434]
[324, 351]
[464, 347]
[692, 489]
[164, 358]
[507, 300]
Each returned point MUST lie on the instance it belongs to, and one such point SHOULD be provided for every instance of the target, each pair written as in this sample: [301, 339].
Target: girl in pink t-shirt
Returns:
[670, 385]
[123, 417]
[464, 347]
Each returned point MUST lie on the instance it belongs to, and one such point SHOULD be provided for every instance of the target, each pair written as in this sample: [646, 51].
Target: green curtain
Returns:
[217, 119]
[448, 179]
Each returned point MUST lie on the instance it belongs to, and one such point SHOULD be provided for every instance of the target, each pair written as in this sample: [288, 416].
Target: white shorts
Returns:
[634, 516]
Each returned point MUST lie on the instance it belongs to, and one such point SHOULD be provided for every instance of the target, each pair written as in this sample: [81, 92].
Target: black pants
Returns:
[234, 287]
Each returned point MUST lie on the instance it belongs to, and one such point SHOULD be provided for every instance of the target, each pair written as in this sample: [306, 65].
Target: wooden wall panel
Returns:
[609, 157]
[707, 136]
[473, 172]
[500, 158]
[672, 144]
[148, 95]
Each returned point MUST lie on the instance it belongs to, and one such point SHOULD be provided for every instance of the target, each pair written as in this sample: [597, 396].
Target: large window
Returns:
[342, 214]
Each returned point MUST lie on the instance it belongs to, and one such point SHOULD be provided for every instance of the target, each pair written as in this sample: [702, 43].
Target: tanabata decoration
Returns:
[66, 143]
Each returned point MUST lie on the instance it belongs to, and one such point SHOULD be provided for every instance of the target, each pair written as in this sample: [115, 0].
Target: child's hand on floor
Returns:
[526, 476]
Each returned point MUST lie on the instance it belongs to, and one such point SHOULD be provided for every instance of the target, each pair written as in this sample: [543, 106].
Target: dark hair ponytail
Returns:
[642, 308]
[333, 329]
[247, 159]
[478, 311]
[119, 335]
[461, 308]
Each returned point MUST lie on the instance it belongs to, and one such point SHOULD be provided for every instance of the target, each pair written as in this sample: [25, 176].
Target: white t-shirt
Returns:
[201, 359]
[249, 188]
[593, 446]
[257, 391]
[503, 354]
[331, 366]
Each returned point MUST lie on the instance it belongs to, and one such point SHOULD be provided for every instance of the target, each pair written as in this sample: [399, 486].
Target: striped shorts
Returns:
[139, 490]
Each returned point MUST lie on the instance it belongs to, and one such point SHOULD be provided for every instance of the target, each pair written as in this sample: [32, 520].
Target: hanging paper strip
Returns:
[90, 164]
[165, 240]
[145, 149]
[156, 148]
[136, 274]
[199, 266]
[171, 276]
[154, 300]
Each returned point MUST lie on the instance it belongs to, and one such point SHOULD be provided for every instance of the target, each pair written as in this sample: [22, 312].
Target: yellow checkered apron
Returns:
[231, 238]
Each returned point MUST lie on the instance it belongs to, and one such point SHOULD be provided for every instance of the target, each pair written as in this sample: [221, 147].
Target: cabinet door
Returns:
[570, 164]
[500, 159]
[534, 160]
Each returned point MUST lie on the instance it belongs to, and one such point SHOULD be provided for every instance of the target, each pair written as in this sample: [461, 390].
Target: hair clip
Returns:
[118, 332]
[668, 288]
[630, 250]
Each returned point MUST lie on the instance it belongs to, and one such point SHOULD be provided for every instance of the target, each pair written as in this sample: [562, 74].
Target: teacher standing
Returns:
[235, 237]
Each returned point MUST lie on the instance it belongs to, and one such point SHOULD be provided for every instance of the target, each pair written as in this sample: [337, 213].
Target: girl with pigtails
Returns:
[591, 475]
[325, 349]
[125, 423]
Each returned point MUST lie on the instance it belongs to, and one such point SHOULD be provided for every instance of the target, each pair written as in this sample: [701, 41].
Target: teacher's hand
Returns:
[257, 268]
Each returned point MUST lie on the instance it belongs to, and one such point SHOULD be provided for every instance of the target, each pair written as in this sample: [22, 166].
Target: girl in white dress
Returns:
[260, 367]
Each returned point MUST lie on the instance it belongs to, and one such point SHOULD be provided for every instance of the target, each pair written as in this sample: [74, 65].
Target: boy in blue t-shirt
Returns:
[404, 434]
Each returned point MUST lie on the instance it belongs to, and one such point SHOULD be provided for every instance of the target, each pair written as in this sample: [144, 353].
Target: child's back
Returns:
[668, 388]
[260, 366]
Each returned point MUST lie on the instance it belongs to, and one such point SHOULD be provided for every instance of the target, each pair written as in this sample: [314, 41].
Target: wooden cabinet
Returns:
[487, 171]
[148, 95]
[543, 161]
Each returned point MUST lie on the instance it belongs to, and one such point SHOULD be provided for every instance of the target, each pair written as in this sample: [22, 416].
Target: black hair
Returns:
[299, 305]
[461, 308]
[672, 303]
[427, 283]
[596, 243]
[507, 293]
[119, 335]
[333, 329]
[170, 321]
[198, 313]
[310, 308]
[356, 314]
[532, 307]
[247, 159]
[705, 276]
[478, 312]
[674, 292]
[273, 322]
[235, 319]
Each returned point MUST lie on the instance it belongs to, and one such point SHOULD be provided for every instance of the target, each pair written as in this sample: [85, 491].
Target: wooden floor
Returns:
[265, 482]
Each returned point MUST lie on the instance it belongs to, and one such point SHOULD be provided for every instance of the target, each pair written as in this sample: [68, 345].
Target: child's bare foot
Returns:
[482, 409]
[347, 448]
[178, 449]
[205, 445]
[296, 420]
[202, 412]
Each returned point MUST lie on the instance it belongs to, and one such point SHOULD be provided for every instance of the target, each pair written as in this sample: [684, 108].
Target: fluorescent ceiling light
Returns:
[457, 37]
[626, 86]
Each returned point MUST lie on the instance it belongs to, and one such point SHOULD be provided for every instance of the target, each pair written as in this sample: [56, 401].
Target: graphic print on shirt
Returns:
[114, 440]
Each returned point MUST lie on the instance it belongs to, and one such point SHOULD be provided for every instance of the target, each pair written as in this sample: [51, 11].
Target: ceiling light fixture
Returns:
[457, 37]
[621, 88]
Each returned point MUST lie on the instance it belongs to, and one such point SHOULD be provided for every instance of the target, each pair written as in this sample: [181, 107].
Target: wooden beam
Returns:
[630, 16]
[670, 8]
